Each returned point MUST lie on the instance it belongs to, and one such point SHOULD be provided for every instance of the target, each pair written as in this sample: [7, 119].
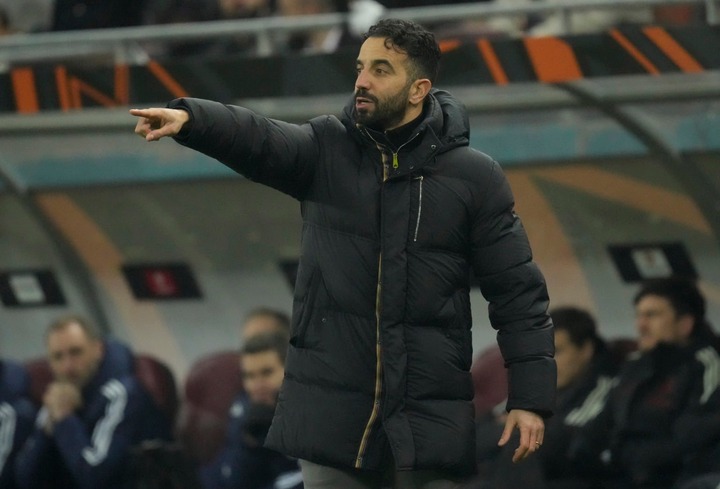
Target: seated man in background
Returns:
[660, 423]
[584, 378]
[93, 413]
[17, 414]
[244, 462]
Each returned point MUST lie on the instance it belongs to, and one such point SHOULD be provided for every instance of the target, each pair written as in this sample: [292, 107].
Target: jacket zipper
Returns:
[395, 162]
[417, 223]
[378, 376]
[378, 347]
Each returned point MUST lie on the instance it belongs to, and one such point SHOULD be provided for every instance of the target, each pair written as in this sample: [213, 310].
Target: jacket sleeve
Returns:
[515, 290]
[34, 457]
[274, 153]
[696, 423]
[96, 458]
[16, 425]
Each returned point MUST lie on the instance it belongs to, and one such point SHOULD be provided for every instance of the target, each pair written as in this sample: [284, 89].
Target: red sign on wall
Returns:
[162, 281]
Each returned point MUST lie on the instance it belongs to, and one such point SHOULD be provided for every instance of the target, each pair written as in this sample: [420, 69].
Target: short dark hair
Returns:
[261, 343]
[579, 325]
[412, 39]
[91, 331]
[281, 318]
[682, 293]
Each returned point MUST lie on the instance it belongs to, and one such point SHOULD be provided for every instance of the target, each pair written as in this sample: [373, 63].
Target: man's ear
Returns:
[99, 347]
[419, 90]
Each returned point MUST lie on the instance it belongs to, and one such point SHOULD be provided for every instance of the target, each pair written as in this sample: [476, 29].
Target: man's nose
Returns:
[362, 81]
[67, 366]
[640, 323]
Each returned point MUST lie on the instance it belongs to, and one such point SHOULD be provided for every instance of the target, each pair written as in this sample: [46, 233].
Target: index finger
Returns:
[145, 112]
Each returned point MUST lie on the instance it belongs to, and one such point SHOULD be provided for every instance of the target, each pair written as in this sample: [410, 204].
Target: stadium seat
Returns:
[212, 384]
[40, 376]
[489, 379]
[159, 381]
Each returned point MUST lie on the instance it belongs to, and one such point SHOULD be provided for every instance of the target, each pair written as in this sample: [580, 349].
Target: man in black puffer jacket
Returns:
[397, 210]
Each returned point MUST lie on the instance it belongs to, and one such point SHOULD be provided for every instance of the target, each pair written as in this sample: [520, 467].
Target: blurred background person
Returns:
[661, 422]
[263, 320]
[584, 378]
[28, 15]
[4, 22]
[17, 415]
[321, 40]
[243, 461]
[94, 411]
[209, 10]
[96, 14]
[552, 23]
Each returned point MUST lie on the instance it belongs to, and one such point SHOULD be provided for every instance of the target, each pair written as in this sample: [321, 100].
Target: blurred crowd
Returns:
[641, 411]
[28, 16]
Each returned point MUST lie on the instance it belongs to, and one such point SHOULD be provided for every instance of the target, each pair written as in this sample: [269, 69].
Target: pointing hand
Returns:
[158, 123]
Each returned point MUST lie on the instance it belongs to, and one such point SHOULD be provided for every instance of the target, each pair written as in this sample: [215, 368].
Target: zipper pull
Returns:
[395, 161]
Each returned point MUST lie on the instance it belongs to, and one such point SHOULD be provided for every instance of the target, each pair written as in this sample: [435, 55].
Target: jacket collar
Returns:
[117, 362]
[444, 126]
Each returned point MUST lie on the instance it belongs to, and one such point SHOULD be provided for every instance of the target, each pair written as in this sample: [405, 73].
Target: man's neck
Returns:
[400, 135]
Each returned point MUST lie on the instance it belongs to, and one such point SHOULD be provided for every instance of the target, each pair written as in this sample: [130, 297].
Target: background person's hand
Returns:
[61, 400]
[159, 123]
[532, 430]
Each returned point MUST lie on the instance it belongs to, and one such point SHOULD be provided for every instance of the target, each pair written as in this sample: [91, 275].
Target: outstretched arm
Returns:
[154, 124]
[276, 153]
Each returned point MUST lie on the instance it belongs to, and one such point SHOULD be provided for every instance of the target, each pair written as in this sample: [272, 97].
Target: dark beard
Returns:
[388, 113]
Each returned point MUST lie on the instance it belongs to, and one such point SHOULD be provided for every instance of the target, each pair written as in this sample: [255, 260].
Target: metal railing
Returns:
[134, 45]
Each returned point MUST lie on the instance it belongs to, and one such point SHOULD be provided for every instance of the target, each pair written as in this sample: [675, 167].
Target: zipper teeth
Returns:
[382, 146]
[378, 346]
[395, 154]
[417, 224]
[378, 375]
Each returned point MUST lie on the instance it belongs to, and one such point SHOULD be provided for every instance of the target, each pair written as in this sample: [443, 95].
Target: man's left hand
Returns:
[532, 430]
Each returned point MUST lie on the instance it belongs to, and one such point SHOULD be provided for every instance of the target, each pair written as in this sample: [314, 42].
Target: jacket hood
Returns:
[444, 115]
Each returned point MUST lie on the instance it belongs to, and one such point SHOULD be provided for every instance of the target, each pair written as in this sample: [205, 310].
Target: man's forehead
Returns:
[652, 301]
[377, 49]
[71, 334]
[260, 359]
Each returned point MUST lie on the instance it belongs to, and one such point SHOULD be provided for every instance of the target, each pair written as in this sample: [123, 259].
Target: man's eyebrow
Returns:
[377, 62]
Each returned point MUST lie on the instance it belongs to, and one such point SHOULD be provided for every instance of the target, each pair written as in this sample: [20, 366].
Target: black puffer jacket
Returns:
[381, 345]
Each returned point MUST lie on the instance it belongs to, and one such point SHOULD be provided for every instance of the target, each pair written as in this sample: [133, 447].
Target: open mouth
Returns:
[362, 103]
